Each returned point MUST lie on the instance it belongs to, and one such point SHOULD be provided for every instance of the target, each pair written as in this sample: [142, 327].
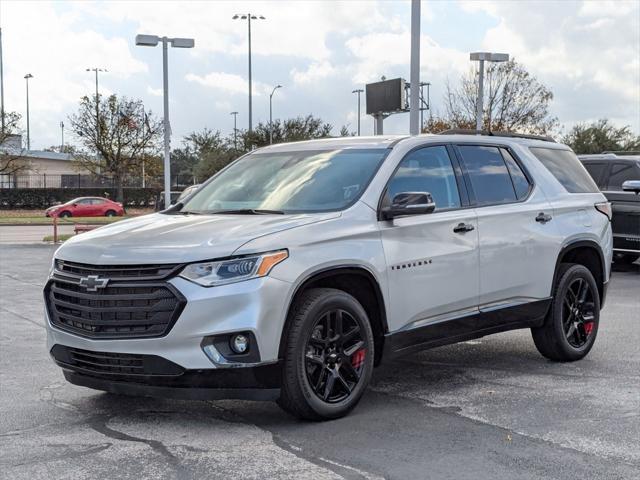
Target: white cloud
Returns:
[156, 92]
[227, 82]
[316, 71]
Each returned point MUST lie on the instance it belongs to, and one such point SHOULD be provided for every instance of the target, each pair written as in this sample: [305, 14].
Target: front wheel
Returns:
[110, 213]
[571, 326]
[328, 359]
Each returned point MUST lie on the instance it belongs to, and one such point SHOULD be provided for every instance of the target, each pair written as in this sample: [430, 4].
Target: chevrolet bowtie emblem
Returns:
[93, 282]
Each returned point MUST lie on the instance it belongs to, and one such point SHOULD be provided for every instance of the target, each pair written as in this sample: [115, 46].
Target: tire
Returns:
[571, 327]
[110, 213]
[309, 358]
[625, 258]
[65, 214]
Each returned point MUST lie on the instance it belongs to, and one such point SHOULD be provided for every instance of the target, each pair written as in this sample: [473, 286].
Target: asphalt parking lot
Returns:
[491, 408]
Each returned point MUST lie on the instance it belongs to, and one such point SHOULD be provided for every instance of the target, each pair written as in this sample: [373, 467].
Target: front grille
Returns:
[113, 302]
[105, 364]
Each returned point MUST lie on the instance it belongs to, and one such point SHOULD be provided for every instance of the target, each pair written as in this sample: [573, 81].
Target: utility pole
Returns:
[98, 133]
[414, 101]
[235, 130]
[1, 84]
[358, 91]
[61, 137]
[27, 77]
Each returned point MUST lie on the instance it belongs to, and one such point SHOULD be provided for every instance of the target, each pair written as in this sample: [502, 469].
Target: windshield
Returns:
[289, 182]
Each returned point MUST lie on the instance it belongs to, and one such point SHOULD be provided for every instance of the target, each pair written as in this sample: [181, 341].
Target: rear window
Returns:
[565, 166]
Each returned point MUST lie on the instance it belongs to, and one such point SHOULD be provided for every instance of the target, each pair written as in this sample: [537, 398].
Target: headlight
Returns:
[211, 274]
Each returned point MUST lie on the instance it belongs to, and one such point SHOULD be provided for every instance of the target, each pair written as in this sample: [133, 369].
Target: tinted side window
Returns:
[520, 183]
[565, 166]
[596, 170]
[427, 170]
[489, 176]
[621, 172]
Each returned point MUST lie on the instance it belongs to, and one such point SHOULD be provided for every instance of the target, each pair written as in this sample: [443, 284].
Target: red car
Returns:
[86, 207]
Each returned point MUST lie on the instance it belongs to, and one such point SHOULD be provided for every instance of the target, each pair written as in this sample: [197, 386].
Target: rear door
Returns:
[432, 263]
[626, 206]
[517, 245]
[83, 207]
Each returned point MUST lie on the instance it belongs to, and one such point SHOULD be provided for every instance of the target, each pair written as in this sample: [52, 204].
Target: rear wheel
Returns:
[329, 355]
[571, 326]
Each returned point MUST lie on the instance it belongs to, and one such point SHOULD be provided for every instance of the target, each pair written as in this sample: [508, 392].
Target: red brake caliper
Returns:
[588, 327]
[357, 359]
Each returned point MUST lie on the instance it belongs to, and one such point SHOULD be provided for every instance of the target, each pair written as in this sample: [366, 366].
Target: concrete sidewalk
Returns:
[24, 234]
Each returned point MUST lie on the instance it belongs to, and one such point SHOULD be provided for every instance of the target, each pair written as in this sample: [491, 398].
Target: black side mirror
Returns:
[409, 203]
[631, 186]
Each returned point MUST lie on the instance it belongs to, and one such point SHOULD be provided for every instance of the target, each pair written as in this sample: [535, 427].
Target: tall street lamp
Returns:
[481, 57]
[27, 77]
[235, 130]
[271, 113]
[358, 91]
[152, 41]
[96, 70]
[248, 17]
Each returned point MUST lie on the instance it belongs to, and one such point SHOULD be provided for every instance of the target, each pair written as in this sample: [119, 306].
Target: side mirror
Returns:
[631, 186]
[409, 203]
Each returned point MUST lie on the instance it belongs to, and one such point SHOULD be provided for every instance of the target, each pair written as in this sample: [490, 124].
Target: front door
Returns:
[432, 259]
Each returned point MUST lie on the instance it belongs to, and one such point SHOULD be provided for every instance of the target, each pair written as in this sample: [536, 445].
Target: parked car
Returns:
[618, 176]
[86, 207]
[159, 200]
[299, 267]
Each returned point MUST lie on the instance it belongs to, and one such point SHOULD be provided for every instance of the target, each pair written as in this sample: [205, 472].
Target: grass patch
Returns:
[61, 238]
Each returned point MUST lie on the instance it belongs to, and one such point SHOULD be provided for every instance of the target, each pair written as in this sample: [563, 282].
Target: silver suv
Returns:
[294, 271]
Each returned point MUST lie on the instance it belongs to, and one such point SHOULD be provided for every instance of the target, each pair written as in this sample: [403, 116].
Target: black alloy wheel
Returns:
[335, 356]
[578, 316]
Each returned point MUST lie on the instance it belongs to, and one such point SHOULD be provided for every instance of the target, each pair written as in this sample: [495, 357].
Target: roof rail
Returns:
[464, 131]
[622, 152]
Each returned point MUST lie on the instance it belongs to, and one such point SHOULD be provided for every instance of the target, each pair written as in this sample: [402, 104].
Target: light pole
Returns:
[235, 130]
[152, 41]
[96, 70]
[481, 57]
[61, 137]
[248, 17]
[1, 83]
[414, 100]
[358, 91]
[271, 113]
[27, 77]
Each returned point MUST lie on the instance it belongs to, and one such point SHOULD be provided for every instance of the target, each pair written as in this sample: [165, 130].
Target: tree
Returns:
[290, 130]
[514, 101]
[119, 141]
[12, 158]
[345, 132]
[601, 136]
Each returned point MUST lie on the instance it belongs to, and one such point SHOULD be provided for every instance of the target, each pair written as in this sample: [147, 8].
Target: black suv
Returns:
[618, 176]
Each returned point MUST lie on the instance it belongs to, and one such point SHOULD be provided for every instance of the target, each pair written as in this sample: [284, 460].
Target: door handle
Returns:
[543, 218]
[463, 227]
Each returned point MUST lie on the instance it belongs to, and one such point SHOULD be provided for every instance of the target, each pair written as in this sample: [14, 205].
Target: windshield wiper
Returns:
[248, 211]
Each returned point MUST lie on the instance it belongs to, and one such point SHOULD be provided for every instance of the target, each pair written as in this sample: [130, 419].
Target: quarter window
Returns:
[565, 166]
[489, 175]
[429, 170]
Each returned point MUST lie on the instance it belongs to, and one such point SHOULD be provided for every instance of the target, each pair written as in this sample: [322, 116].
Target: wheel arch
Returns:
[589, 254]
[358, 282]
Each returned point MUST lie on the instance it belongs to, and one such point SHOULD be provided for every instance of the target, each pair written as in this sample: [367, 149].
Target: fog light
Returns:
[240, 343]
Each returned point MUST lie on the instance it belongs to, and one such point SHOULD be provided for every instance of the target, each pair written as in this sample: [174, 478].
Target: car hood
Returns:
[161, 238]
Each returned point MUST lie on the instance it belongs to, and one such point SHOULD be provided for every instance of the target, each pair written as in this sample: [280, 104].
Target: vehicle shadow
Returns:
[626, 267]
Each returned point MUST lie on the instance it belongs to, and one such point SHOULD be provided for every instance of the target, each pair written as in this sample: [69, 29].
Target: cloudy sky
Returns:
[587, 52]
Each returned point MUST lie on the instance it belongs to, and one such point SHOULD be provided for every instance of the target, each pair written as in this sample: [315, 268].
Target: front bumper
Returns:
[153, 376]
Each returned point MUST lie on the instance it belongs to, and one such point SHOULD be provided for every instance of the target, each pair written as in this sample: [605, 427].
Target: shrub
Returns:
[35, 198]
